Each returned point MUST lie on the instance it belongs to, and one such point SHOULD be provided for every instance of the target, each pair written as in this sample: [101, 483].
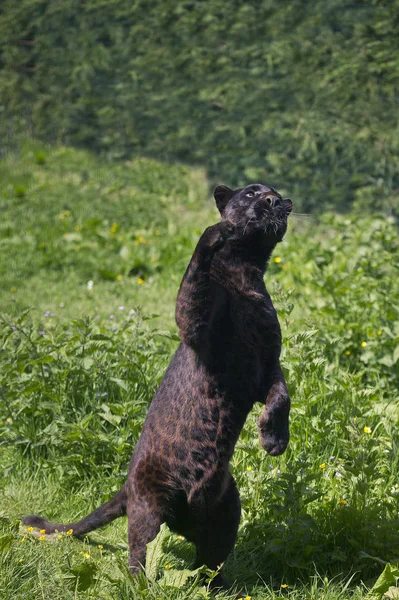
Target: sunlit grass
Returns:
[94, 248]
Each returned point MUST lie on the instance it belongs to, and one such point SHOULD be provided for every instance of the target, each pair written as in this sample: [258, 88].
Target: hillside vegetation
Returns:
[96, 248]
[300, 94]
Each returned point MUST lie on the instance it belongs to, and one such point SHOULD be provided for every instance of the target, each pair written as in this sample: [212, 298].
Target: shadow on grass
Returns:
[335, 541]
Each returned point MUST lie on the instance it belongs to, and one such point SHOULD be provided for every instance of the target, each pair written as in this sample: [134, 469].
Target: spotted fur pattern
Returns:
[227, 361]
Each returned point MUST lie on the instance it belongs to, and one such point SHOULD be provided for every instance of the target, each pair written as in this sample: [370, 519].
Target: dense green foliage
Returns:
[299, 94]
[322, 519]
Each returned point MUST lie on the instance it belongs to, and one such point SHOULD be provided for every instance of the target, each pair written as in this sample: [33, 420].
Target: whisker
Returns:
[302, 215]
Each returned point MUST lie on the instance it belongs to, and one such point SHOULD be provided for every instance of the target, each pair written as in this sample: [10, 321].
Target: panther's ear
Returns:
[222, 195]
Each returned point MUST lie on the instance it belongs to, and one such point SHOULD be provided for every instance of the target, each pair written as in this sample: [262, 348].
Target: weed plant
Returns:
[84, 244]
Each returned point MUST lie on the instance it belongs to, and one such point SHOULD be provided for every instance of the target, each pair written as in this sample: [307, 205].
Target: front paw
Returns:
[216, 235]
[273, 428]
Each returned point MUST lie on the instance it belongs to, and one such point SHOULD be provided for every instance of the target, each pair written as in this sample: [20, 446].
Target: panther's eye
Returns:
[250, 194]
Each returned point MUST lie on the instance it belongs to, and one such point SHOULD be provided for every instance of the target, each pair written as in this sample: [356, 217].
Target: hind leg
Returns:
[144, 522]
[217, 532]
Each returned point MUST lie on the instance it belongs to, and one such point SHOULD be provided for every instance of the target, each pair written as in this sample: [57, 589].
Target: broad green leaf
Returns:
[388, 578]
[177, 578]
[154, 553]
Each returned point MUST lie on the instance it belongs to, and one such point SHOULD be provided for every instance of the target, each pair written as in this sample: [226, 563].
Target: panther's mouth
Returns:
[272, 213]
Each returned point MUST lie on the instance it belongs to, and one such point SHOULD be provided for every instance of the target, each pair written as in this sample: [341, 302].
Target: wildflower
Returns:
[13, 289]
[322, 466]
[140, 240]
[60, 537]
[167, 566]
[42, 538]
[277, 259]
[180, 537]
[30, 529]
[119, 277]
[341, 501]
[100, 546]
[9, 420]
[42, 332]
[363, 344]
[284, 585]
[347, 352]
[86, 555]
[140, 281]
[90, 285]
[338, 474]
[20, 560]
[23, 541]
[366, 429]
[111, 316]
[249, 468]
[69, 532]
[379, 332]
[42, 531]
[121, 307]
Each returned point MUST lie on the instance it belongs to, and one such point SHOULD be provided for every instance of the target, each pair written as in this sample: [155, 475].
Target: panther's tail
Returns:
[114, 508]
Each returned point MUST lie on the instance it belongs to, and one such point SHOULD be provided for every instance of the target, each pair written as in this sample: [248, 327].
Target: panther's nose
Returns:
[272, 200]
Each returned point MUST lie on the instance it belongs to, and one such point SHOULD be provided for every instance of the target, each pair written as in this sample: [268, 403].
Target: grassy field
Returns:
[91, 256]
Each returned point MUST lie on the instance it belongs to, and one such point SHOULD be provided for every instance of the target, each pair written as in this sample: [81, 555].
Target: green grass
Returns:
[75, 384]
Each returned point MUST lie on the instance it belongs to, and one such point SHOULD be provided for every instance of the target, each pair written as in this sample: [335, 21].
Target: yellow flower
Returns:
[23, 541]
[347, 352]
[100, 546]
[167, 566]
[30, 528]
[284, 585]
[60, 537]
[69, 532]
[13, 289]
[379, 332]
[42, 538]
[341, 501]
[140, 240]
[322, 466]
[140, 281]
[249, 468]
[180, 537]
[366, 429]
[363, 344]
[277, 259]
[42, 531]
[86, 555]
[20, 560]
[119, 277]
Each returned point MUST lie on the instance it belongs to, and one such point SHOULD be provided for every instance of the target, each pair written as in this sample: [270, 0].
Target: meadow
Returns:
[91, 257]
